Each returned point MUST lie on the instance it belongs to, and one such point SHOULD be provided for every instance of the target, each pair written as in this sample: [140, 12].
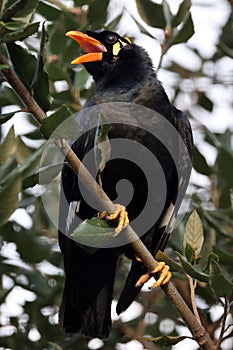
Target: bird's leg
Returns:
[164, 277]
[119, 214]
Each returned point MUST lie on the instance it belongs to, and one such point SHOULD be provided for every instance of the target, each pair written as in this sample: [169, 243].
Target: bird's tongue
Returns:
[93, 47]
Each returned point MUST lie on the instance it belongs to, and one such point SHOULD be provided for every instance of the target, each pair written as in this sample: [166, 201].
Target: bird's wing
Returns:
[157, 237]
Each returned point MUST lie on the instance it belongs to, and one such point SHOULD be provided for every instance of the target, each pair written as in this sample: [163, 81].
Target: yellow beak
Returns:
[94, 49]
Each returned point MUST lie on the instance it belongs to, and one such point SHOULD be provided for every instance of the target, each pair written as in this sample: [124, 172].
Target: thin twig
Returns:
[164, 46]
[198, 332]
[192, 287]
[223, 328]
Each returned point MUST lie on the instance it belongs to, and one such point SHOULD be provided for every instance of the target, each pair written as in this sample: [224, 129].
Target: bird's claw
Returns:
[120, 213]
[164, 278]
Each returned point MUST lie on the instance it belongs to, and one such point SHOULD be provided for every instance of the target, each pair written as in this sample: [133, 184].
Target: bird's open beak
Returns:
[94, 49]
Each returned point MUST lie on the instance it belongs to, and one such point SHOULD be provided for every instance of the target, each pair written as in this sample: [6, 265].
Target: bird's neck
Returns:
[146, 91]
[122, 88]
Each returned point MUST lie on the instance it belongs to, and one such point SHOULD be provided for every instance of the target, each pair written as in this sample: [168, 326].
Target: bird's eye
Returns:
[111, 39]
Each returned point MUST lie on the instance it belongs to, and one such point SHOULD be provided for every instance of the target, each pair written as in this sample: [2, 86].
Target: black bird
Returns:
[123, 72]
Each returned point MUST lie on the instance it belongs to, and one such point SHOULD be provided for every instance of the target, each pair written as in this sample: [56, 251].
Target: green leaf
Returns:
[185, 33]
[200, 164]
[97, 14]
[44, 176]
[167, 13]
[166, 340]
[34, 135]
[151, 13]
[56, 72]
[92, 233]
[30, 164]
[225, 165]
[9, 200]
[26, 167]
[9, 97]
[8, 146]
[192, 271]
[190, 254]
[5, 169]
[49, 12]
[227, 32]
[205, 102]
[224, 256]
[221, 285]
[112, 25]
[181, 13]
[6, 116]
[225, 46]
[211, 256]
[81, 78]
[51, 126]
[19, 8]
[212, 139]
[23, 152]
[226, 140]
[57, 36]
[21, 34]
[60, 45]
[5, 293]
[40, 83]
[225, 197]
[14, 25]
[225, 50]
[193, 234]
[63, 97]
[143, 29]
[40, 58]
[3, 66]
[214, 223]
[160, 256]
[26, 72]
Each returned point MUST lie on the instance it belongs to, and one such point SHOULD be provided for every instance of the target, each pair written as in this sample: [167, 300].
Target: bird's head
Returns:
[111, 57]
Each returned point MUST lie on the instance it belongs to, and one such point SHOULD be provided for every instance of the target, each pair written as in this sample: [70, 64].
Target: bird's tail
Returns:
[87, 295]
[129, 291]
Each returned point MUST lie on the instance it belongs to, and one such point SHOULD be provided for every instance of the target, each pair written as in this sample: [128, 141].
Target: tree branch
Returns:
[198, 331]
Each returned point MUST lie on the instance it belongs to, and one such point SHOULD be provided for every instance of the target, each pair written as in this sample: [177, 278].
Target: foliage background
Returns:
[33, 35]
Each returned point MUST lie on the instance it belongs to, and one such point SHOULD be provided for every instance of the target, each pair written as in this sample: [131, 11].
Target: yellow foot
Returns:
[120, 214]
[164, 278]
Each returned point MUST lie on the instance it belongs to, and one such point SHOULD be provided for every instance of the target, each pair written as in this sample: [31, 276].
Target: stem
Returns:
[167, 33]
[192, 286]
[223, 328]
[198, 332]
